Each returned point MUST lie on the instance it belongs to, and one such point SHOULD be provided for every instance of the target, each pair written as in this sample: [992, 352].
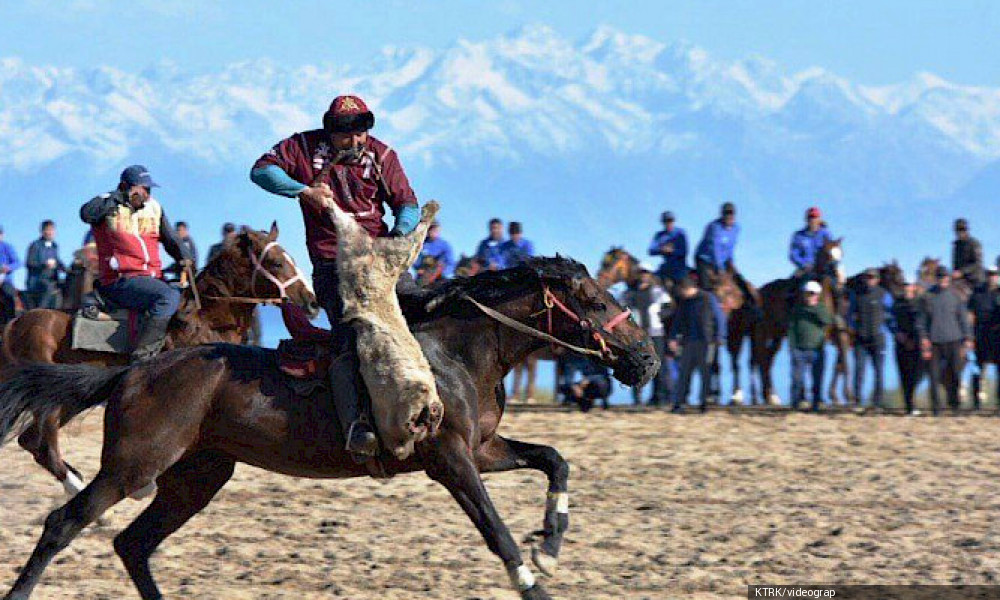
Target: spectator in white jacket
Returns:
[650, 303]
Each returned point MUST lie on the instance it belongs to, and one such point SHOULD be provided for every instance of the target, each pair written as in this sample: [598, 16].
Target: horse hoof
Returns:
[72, 484]
[737, 397]
[546, 563]
[535, 593]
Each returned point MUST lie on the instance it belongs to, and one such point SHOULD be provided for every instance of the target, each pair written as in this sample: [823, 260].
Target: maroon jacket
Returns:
[363, 189]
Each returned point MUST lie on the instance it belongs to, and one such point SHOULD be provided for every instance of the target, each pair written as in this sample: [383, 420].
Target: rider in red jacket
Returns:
[128, 226]
[364, 177]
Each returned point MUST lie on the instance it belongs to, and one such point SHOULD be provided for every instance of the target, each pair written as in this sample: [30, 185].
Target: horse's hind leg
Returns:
[41, 439]
[450, 463]
[183, 491]
[64, 524]
[500, 454]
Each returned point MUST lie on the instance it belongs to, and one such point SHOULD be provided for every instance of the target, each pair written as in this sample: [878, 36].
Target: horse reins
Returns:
[552, 302]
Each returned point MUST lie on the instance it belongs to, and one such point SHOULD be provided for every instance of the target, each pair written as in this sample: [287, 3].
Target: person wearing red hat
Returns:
[807, 242]
[344, 163]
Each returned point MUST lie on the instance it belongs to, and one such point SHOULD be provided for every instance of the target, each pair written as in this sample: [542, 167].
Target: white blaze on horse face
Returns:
[837, 254]
[306, 281]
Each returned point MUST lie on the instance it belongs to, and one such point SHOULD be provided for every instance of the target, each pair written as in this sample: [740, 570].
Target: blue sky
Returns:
[868, 42]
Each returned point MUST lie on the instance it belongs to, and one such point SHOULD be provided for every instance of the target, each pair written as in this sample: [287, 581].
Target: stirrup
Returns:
[364, 453]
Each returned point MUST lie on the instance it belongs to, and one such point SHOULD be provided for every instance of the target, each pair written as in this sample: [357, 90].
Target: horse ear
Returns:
[840, 240]
[273, 234]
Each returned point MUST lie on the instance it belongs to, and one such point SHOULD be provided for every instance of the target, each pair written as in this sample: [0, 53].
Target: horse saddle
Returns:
[114, 331]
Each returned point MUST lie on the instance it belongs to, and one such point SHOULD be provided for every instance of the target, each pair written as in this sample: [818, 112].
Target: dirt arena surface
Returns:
[662, 506]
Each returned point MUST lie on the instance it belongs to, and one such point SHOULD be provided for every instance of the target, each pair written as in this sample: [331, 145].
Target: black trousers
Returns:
[911, 367]
[694, 357]
[8, 295]
[946, 360]
[875, 350]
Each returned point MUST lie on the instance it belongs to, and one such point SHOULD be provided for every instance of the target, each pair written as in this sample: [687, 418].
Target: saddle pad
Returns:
[114, 332]
[304, 359]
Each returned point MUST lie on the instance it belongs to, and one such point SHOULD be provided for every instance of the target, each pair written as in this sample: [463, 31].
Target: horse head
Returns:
[585, 314]
[617, 265]
[467, 266]
[893, 279]
[256, 266]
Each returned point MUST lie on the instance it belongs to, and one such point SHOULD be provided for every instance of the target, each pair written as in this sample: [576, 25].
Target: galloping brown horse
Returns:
[237, 407]
[619, 266]
[230, 288]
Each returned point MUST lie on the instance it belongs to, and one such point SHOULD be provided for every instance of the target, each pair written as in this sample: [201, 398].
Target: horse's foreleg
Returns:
[500, 454]
[61, 526]
[183, 491]
[450, 462]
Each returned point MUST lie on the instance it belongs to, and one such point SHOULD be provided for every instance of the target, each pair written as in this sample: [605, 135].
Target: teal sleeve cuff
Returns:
[407, 218]
[274, 179]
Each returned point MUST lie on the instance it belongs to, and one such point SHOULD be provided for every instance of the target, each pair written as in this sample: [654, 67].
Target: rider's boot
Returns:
[348, 392]
[151, 339]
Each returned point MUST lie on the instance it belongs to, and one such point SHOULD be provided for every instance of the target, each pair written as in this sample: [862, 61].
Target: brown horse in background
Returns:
[779, 296]
[237, 407]
[927, 276]
[229, 290]
[619, 266]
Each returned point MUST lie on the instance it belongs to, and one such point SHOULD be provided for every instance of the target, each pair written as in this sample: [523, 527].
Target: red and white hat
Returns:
[348, 114]
[813, 213]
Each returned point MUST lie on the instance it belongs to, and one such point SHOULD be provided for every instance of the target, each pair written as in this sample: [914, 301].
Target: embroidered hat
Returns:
[348, 114]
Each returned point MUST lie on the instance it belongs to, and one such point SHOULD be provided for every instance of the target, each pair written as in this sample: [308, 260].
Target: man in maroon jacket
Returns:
[343, 163]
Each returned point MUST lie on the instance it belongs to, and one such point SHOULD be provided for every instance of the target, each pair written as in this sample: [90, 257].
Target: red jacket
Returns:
[128, 240]
[362, 189]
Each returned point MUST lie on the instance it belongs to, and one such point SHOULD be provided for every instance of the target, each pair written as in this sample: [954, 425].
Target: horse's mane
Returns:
[444, 298]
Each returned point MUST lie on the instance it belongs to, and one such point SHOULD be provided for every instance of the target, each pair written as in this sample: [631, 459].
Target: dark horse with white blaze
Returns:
[219, 307]
[180, 422]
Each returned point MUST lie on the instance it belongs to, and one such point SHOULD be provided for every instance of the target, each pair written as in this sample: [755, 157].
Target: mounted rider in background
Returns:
[128, 226]
[363, 177]
[716, 252]
[807, 243]
[671, 244]
[967, 256]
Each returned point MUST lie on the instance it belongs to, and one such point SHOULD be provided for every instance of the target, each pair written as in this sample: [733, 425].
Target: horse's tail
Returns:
[41, 388]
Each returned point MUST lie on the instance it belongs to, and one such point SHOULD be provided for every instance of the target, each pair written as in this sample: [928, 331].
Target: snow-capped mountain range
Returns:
[595, 135]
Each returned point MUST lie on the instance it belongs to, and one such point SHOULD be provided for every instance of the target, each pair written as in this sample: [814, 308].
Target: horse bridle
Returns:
[258, 267]
[552, 302]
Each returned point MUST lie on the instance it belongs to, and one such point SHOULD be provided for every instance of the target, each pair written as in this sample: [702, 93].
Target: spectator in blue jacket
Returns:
[516, 249]
[671, 244]
[716, 251]
[488, 251]
[44, 267]
[8, 293]
[807, 242]
[435, 260]
[697, 324]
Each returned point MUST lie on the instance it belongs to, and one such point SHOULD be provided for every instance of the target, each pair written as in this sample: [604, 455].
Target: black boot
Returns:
[151, 338]
[348, 392]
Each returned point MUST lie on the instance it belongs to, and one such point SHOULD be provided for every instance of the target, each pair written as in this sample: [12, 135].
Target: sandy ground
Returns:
[662, 506]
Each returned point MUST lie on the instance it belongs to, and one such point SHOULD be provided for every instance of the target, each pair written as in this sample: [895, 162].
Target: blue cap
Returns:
[667, 216]
[137, 175]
